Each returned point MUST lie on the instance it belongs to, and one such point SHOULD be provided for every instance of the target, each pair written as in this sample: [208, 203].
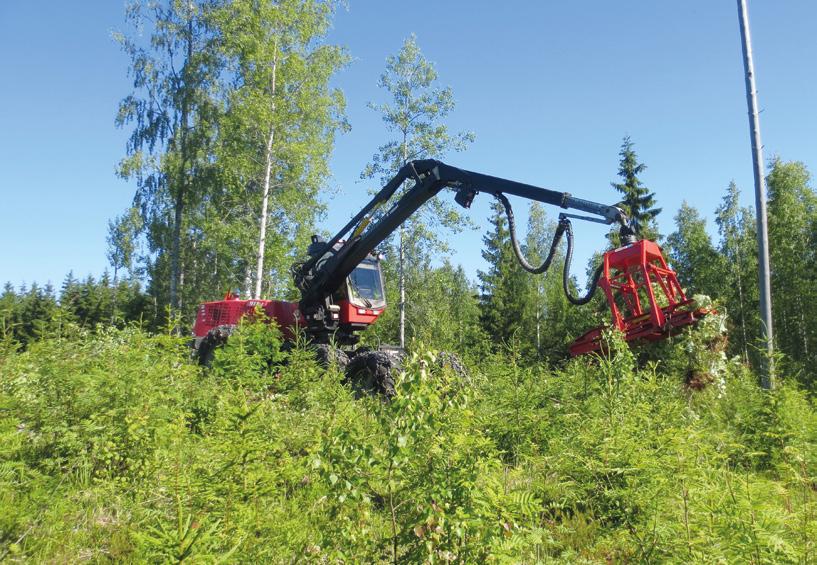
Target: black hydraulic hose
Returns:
[557, 237]
[563, 227]
[594, 283]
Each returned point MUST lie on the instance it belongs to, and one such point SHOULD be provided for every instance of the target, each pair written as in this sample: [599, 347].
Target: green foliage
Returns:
[414, 116]
[548, 320]
[276, 135]
[738, 245]
[174, 110]
[638, 201]
[444, 309]
[504, 285]
[232, 121]
[529, 310]
[116, 447]
[699, 266]
[27, 315]
[792, 221]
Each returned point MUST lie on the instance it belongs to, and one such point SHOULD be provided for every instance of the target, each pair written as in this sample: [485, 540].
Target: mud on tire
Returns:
[326, 355]
[215, 338]
[452, 360]
[372, 372]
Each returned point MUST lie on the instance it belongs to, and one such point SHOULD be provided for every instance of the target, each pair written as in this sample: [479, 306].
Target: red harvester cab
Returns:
[646, 301]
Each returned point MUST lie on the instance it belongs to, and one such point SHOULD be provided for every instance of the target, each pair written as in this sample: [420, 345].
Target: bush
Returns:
[117, 447]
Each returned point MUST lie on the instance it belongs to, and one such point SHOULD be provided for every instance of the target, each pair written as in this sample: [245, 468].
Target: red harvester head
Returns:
[646, 301]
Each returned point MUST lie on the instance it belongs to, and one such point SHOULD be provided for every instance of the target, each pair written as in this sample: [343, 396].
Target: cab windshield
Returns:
[366, 285]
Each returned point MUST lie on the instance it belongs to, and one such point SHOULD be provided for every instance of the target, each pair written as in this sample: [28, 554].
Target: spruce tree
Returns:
[36, 311]
[638, 201]
[8, 310]
[504, 285]
[70, 296]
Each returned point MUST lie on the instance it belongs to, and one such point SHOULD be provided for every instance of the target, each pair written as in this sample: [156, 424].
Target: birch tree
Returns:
[549, 321]
[738, 246]
[792, 228]
[280, 126]
[173, 111]
[122, 234]
[699, 266]
[414, 117]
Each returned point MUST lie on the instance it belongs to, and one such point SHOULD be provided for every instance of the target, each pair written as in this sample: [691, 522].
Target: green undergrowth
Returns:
[115, 447]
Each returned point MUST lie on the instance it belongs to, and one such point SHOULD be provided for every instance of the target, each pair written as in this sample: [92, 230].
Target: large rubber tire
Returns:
[372, 372]
[452, 361]
[326, 355]
[214, 339]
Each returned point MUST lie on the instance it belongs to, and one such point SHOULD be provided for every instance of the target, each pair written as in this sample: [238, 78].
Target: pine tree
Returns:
[638, 201]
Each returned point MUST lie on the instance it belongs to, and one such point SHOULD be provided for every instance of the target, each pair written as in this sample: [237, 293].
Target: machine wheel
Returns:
[446, 359]
[326, 355]
[372, 372]
[215, 338]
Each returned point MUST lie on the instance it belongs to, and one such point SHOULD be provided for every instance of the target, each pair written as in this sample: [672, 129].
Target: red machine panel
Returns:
[230, 310]
[351, 314]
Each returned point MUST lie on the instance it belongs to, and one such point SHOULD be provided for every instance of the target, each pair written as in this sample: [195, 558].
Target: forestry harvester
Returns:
[341, 283]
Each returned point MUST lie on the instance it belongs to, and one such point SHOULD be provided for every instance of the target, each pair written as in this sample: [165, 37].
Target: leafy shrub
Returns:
[117, 447]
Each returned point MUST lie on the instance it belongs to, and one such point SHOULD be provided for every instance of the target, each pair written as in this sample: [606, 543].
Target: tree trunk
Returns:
[742, 311]
[401, 258]
[175, 263]
[115, 293]
[803, 327]
[402, 284]
[175, 249]
[181, 287]
[262, 239]
[247, 281]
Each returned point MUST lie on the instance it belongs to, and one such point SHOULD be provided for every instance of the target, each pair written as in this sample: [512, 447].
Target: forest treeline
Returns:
[232, 120]
[452, 312]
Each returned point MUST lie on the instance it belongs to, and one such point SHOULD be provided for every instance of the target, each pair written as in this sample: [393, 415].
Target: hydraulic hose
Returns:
[564, 227]
[557, 237]
[594, 283]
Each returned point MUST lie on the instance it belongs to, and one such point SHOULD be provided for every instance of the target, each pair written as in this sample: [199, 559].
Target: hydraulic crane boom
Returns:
[341, 281]
[329, 265]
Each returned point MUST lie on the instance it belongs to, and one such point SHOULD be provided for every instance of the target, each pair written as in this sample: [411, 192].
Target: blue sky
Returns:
[549, 88]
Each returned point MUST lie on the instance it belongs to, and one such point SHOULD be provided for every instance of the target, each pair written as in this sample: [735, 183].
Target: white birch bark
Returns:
[262, 239]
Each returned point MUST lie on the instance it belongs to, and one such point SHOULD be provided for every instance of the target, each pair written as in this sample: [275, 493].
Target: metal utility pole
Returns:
[767, 375]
